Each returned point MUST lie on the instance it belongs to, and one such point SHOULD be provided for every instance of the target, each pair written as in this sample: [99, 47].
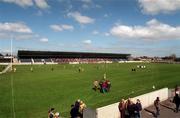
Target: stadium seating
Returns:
[25, 60]
[5, 60]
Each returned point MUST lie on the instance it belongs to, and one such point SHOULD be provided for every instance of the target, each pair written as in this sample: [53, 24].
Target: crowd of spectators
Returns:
[77, 109]
[103, 85]
[53, 114]
[83, 60]
[128, 109]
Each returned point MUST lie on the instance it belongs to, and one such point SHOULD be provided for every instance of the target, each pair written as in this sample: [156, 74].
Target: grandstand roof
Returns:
[23, 54]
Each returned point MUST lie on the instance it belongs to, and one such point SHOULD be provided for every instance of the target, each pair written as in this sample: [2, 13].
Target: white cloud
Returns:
[39, 13]
[159, 6]
[106, 15]
[98, 6]
[153, 30]
[17, 31]
[59, 28]
[85, 6]
[80, 18]
[18, 36]
[14, 27]
[106, 34]
[56, 28]
[22, 3]
[86, 1]
[87, 42]
[42, 4]
[67, 27]
[44, 40]
[95, 32]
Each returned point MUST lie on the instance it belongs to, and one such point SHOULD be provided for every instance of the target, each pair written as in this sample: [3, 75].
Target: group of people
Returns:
[77, 109]
[103, 85]
[52, 114]
[129, 109]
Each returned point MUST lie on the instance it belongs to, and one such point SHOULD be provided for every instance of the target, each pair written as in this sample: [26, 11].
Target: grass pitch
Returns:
[35, 92]
[2, 67]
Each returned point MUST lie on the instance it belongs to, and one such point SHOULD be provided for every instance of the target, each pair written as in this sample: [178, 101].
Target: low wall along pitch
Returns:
[112, 111]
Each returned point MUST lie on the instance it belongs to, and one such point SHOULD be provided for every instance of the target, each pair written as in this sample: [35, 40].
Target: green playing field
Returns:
[27, 94]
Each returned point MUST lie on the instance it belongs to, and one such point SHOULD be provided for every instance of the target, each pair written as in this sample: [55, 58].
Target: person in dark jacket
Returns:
[176, 100]
[131, 109]
[122, 108]
[157, 106]
[138, 109]
[74, 111]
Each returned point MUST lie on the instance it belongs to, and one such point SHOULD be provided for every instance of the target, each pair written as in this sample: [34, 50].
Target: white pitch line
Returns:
[12, 93]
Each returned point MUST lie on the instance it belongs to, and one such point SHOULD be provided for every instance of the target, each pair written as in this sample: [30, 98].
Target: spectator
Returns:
[127, 104]
[57, 115]
[122, 107]
[51, 113]
[131, 108]
[138, 109]
[74, 111]
[157, 106]
[100, 84]
[104, 87]
[96, 85]
[176, 100]
[108, 85]
[81, 108]
[176, 89]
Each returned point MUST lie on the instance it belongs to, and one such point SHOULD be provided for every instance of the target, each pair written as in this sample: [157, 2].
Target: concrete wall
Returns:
[89, 113]
[111, 111]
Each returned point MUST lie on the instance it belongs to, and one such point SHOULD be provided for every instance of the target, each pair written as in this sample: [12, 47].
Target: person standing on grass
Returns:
[74, 111]
[108, 85]
[51, 113]
[81, 108]
[176, 100]
[100, 85]
[57, 115]
[31, 69]
[157, 106]
[122, 107]
[96, 85]
[104, 87]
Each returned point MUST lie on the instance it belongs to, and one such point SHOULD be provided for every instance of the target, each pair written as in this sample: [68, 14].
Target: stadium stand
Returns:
[4, 59]
[26, 61]
[68, 57]
[1, 55]
[38, 60]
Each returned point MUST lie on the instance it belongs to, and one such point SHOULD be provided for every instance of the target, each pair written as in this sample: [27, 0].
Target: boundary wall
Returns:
[112, 111]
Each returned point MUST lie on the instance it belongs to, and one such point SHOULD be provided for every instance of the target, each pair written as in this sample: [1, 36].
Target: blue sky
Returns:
[138, 27]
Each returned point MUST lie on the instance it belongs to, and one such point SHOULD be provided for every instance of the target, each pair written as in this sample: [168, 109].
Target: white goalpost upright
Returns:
[12, 83]
[11, 52]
